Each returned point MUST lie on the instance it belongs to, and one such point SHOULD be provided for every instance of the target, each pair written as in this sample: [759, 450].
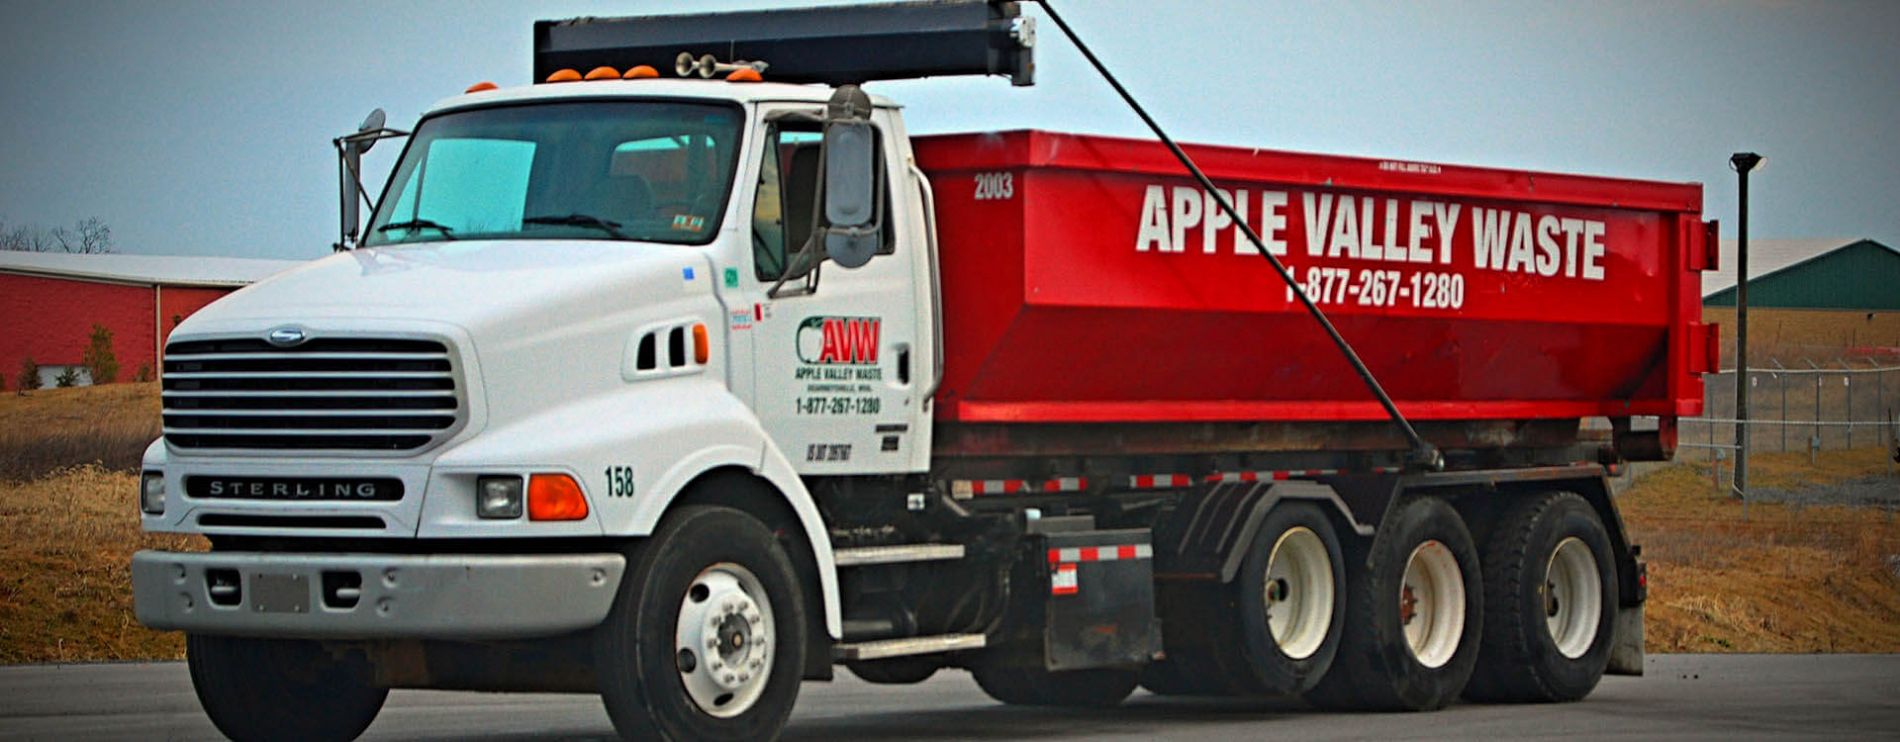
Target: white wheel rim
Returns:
[722, 643]
[1432, 604]
[1299, 592]
[1573, 597]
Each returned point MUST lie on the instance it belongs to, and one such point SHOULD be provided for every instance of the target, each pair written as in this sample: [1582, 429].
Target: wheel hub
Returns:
[1299, 592]
[1573, 597]
[1432, 604]
[722, 640]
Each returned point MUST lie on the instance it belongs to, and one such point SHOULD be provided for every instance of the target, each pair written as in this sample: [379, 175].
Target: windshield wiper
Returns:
[414, 225]
[580, 220]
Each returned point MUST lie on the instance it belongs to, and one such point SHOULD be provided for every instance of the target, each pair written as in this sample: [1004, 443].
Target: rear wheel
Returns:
[1291, 612]
[1274, 630]
[279, 689]
[705, 640]
[1017, 686]
[1550, 603]
[1411, 638]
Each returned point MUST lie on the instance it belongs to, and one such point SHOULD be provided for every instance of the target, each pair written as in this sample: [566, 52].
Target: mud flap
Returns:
[1626, 650]
[1080, 600]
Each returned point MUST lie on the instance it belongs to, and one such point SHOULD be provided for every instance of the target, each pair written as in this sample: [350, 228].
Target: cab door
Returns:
[837, 381]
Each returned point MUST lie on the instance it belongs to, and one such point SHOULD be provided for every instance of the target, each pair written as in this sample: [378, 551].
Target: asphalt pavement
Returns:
[1723, 697]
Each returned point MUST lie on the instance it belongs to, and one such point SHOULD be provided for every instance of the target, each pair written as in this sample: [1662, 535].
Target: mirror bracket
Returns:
[349, 153]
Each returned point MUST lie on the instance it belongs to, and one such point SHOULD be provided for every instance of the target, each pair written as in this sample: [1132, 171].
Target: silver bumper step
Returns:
[906, 646]
[898, 554]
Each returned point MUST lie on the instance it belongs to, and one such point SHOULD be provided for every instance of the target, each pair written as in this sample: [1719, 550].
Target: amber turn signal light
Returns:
[555, 497]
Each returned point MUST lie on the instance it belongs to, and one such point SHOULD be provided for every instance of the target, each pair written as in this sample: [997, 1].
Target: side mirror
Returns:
[349, 153]
[852, 225]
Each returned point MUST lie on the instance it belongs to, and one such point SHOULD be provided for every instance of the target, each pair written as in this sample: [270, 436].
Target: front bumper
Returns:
[374, 596]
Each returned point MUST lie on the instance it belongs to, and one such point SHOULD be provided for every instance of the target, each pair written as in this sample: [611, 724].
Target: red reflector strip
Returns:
[1019, 486]
[1063, 580]
[1101, 553]
[1281, 475]
[1159, 481]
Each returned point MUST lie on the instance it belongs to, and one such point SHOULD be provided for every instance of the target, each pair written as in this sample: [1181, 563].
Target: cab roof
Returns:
[675, 88]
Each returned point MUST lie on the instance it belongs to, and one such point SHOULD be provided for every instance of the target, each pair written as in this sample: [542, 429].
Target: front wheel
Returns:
[706, 637]
[278, 689]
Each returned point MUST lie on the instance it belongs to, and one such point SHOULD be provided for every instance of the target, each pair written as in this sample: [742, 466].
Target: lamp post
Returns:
[1742, 163]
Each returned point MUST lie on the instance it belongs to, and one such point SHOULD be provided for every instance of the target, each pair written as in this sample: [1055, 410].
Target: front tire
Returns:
[706, 637]
[1550, 603]
[278, 689]
[1414, 613]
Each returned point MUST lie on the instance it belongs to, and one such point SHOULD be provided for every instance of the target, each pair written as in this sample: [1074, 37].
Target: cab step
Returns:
[906, 646]
[895, 554]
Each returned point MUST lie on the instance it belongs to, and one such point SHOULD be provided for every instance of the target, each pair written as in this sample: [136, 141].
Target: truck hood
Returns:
[471, 284]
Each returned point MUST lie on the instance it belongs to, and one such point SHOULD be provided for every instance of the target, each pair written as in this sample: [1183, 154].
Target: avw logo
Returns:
[839, 340]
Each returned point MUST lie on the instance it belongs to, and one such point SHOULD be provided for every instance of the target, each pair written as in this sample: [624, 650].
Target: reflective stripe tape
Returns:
[1112, 553]
[1159, 481]
[1019, 486]
[1281, 475]
[1063, 580]
[1066, 484]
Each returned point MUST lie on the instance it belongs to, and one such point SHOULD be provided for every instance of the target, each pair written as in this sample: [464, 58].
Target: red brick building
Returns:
[50, 301]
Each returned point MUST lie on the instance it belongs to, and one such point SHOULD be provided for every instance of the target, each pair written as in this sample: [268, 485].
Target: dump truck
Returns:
[685, 374]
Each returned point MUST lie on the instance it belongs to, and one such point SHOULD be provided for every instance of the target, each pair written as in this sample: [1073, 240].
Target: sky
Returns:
[201, 128]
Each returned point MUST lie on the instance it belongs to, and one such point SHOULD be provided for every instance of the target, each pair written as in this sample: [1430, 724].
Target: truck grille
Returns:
[343, 394]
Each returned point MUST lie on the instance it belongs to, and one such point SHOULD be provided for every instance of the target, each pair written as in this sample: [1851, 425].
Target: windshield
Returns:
[611, 170]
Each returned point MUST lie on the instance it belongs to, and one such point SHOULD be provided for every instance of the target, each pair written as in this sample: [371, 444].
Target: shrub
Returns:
[99, 359]
[29, 374]
[67, 378]
[144, 374]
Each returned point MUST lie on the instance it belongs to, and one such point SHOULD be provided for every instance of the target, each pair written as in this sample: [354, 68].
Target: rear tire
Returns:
[1414, 614]
[278, 689]
[1018, 686]
[1292, 606]
[1550, 603]
[709, 576]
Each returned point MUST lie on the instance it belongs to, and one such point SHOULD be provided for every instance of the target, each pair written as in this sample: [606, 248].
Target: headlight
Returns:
[152, 493]
[498, 497]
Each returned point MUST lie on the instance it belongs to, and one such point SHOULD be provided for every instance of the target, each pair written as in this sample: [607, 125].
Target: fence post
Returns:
[1814, 441]
[1781, 380]
[1847, 383]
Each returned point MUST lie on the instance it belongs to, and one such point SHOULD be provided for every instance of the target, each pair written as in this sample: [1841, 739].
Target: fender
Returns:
[668, 432]
[1205, 542]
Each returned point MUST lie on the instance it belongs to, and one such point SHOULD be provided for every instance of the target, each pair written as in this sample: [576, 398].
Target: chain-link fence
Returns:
[1805, 406]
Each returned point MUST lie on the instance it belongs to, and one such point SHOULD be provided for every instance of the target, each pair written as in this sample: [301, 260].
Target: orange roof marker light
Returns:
[603, 73]
[565, 76]
[554, 496]
[745, 74]
[640, 72]
[480, 86]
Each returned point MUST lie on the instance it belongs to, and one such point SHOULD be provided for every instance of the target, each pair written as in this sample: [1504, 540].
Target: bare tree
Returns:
[89, 236]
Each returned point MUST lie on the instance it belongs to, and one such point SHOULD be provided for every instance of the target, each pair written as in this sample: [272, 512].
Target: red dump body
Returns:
[1087, 279]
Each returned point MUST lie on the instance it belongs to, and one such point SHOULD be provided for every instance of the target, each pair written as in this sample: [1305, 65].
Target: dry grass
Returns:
[50, 429]
[66, 594]
[1821, 334]
[1788, 578]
